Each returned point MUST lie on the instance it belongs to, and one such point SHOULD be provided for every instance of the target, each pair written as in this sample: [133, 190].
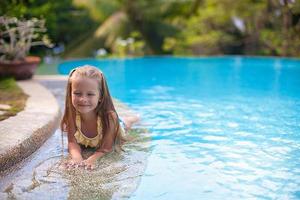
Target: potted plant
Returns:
[16, 39]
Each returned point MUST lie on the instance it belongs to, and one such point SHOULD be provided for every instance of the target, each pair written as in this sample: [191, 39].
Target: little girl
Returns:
[90, 118]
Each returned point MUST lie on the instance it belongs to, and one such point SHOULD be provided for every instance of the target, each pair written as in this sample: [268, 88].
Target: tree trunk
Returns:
[285, 28]
[195, 7]
[144, 26]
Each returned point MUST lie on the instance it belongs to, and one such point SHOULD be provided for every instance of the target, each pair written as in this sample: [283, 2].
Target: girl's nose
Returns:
[83, 99]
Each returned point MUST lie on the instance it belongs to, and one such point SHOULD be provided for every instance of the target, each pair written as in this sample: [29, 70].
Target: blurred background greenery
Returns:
[101, 28]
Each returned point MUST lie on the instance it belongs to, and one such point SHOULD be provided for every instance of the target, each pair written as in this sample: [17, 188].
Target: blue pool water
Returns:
[221, 128]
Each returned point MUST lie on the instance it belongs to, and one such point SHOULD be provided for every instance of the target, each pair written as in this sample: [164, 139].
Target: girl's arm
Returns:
[73, 146]
[107, 141]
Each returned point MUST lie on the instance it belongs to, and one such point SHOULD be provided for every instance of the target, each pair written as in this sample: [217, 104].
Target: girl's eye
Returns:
[76, 93]
[91, 94]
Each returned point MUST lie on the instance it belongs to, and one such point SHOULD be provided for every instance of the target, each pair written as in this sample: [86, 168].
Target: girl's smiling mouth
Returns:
[83, 105]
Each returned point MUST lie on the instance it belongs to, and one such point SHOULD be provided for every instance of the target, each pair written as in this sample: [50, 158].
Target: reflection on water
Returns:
[43, 176]
[246, 148]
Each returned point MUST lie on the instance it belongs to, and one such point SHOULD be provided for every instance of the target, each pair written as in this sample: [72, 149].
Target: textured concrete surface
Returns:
[22, 134]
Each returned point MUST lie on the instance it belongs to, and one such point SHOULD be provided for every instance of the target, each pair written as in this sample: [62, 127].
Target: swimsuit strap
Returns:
[99, 127]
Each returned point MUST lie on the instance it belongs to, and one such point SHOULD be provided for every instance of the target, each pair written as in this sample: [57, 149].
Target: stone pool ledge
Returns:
[24, 133]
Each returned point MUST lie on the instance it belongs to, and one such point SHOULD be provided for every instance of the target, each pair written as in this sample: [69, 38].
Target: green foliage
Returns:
[205, 32]
[99, 9]
[134, 45]
[106, 34]
[150, 19]
[185, 27]
[64, 21]
[7, 83]
[11, 94]
[268, 28]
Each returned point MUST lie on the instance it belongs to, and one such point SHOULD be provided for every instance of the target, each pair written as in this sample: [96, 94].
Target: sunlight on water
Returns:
[207, 152]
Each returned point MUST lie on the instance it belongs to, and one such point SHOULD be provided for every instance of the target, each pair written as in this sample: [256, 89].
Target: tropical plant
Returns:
[18, 36]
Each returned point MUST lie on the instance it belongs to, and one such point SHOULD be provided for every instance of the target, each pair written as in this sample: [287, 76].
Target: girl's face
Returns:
[85, 94]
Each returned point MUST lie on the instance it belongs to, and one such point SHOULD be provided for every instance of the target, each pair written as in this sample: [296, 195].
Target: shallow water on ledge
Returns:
[42, 175]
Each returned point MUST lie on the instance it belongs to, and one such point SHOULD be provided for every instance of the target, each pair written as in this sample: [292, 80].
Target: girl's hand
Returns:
[89, 163]
[74, 163]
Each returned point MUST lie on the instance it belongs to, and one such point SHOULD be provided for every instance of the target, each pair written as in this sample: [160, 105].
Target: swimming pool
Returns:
[221, 127]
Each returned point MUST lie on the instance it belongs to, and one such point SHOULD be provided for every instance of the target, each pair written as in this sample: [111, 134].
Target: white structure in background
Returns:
[126, 42]
[101, 52]
[238, 23]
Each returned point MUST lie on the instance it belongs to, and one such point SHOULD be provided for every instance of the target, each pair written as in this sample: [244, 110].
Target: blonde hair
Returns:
[104, 108]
